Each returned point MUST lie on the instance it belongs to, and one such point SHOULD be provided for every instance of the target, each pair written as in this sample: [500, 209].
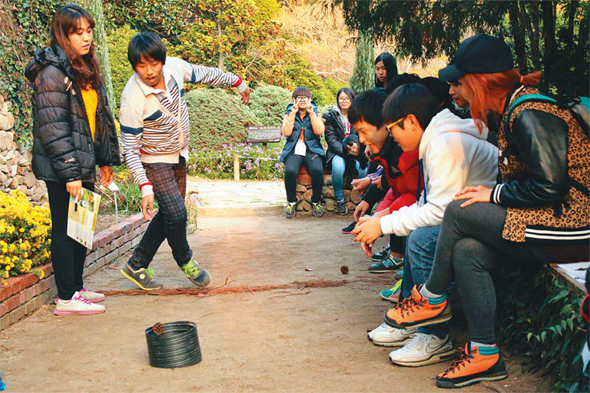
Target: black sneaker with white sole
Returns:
[341, 207]
[346, 230]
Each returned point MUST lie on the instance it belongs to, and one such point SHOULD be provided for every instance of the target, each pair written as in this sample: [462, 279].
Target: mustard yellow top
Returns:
[91, 103]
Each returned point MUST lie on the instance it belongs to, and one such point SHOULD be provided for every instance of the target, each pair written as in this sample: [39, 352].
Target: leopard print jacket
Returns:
[565, 221]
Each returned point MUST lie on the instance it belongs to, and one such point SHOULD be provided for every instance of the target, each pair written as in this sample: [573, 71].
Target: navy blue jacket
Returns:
[312, 141]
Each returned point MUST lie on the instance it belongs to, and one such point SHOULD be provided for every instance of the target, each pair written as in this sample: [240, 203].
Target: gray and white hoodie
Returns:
[454, 155]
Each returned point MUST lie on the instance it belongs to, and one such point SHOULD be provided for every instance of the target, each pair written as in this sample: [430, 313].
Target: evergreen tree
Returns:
[552, 36]
[363, 75]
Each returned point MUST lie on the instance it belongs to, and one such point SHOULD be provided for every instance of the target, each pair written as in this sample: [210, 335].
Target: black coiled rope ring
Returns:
[176, 345]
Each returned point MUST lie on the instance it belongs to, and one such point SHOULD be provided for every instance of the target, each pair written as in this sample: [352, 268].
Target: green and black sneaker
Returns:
[198, 276]
[317, 209]
[143, 278]
[291, 209]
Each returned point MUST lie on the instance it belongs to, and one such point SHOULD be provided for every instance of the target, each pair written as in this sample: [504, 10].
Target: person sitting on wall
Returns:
[302, 126]
[337, 129]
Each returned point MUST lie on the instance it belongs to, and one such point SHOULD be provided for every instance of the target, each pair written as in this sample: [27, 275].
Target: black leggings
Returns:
[67, 255]
[470, 244]
[315, 166]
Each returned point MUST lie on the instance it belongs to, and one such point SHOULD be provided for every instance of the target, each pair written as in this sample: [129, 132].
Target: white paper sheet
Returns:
[300, 148]
[577, 271]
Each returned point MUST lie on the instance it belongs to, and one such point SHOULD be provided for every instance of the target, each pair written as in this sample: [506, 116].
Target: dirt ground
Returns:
[284, 340]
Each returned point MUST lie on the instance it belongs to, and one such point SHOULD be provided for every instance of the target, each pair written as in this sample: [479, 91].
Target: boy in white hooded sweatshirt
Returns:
[453, 155]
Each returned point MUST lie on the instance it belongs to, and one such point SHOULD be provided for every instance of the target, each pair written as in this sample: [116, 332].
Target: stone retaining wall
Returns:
[15, 165]
[26, 293]
[351, 197]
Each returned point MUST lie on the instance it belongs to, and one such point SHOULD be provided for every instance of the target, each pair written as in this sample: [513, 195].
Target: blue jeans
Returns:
[338, 169]
[418, 261]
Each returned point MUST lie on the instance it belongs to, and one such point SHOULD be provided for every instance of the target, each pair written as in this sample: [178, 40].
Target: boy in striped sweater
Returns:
[155, 132]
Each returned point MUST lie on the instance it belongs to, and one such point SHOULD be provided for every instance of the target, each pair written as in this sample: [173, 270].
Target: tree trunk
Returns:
[550, 58]
[569, 38]
[581, 56]
[518, 31]
[533, 27]
[221, 56]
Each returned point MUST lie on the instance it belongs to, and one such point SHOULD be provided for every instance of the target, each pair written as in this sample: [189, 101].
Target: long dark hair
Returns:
[390, 66]
[66, 21]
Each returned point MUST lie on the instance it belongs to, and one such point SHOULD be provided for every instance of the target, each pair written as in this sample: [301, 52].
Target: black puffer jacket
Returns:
[335, 133]
[63, 149]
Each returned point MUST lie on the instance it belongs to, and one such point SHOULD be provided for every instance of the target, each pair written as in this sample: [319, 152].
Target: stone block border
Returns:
[25, 294]
[303, 191]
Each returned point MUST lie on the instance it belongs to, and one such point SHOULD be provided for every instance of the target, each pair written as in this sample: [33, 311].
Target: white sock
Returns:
[480, 345]
[427, 294]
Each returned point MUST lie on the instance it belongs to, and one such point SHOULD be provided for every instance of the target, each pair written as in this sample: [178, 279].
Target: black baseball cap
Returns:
[480, 54]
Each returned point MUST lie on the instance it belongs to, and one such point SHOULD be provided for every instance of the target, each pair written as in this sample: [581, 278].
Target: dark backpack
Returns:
[578, 106]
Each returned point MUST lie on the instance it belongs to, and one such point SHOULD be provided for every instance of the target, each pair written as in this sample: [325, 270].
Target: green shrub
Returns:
[128, 199]
[121, 70]
[269, 104]
[255, 163]
[217, 118]
[325, 95]
[540, 317]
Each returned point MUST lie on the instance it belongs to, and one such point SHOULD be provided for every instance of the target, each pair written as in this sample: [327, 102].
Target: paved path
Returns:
[229, 198]
[290, 339]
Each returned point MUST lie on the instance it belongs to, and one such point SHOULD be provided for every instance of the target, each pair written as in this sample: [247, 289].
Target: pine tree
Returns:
[363, 75]
[94, 7]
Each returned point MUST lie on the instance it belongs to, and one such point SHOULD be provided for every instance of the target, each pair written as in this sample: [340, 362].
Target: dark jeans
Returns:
[396, 243]
[67, 255]
[169, 181]
[418, 261]
[470, 244]
[315, 166]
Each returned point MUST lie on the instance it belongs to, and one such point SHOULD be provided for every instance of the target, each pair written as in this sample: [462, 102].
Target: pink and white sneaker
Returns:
[77, 305]
[93, 297]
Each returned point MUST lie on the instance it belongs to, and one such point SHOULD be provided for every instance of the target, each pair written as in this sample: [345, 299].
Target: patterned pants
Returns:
[169, 223]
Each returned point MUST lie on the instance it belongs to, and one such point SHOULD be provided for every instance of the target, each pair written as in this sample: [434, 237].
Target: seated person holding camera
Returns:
[303, 127]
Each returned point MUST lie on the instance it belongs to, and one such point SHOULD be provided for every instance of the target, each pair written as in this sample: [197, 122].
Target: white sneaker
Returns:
[423, 349]
[77, 305]
[93, 297]
[387, 336]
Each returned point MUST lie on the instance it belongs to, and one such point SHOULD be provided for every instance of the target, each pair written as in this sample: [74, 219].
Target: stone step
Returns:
[240, 211]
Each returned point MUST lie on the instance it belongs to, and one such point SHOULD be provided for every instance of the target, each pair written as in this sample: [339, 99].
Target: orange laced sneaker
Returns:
[417, 311]
[473, 367]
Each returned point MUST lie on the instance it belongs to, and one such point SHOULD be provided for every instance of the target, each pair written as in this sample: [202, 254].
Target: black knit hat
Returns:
[480, 54]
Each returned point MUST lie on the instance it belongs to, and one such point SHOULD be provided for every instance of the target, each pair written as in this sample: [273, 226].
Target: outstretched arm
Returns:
[212, 76]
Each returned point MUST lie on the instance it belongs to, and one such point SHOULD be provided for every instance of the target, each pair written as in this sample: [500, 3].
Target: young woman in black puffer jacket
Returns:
[337, 128]
[73, 132]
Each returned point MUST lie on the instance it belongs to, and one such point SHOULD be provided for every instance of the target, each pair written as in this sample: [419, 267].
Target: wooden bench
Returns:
[574, 285]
